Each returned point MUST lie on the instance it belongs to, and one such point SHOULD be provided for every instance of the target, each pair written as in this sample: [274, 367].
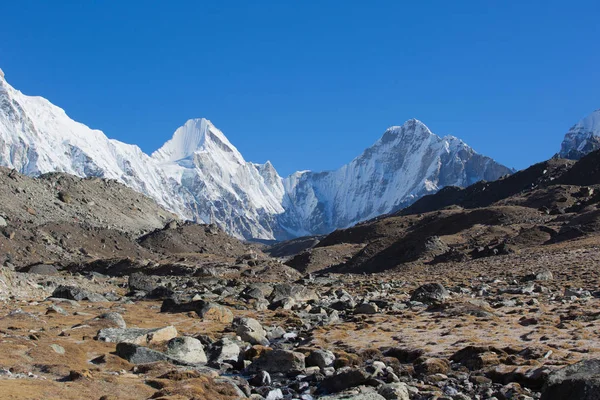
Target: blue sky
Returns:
[310, 84]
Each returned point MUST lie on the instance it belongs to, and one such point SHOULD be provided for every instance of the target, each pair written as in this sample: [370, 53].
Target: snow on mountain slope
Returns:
[407, 163]
[200, 175]
[582, 138]
[217, 184]
[37, 137]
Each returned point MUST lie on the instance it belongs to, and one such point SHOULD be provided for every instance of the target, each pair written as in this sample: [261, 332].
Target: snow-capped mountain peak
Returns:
[196, 135]
[201, 176]
[582, 138]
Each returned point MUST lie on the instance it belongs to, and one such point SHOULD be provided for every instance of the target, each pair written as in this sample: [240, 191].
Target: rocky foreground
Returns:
[488, 292]
[256, 329]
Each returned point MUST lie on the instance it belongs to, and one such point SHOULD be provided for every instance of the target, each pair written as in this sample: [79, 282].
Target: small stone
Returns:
[57, 349]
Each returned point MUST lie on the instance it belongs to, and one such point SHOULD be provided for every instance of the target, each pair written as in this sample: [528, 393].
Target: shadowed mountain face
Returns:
[544, 205]
[199, 175]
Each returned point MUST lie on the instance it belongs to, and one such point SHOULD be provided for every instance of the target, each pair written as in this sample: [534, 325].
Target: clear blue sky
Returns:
[309, 84]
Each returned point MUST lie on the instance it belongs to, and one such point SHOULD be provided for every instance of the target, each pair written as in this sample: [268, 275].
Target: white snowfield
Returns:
[201, 176]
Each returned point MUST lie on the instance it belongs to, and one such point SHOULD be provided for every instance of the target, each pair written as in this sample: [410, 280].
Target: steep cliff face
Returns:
[201, 176]
[582, 138]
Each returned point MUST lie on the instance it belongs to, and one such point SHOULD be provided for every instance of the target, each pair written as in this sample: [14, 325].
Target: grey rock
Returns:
[186, 349]
[57, 349]
[250, 330]
[137, 354]
[3, 222]
[224, 350]
[299, 293]
[276, 333]
[42, 269]
[344, 378]
[394, 391]
[113, 317]
[320, 358]
[136, 335]
[430, 293]
[78, 294]
[143, 282]
[580, 381]
[54, 309]
[274, 361]
[366, 308]
[275, 394]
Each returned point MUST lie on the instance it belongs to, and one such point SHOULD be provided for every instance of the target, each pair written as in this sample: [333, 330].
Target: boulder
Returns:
[250, 330]
[580, 381]
[366, 308]
[137, 354]
[394, 391]
[42, 269]
[186, 349]
[320, 358]
[343, 379]
[430, 293]
[76, 293]
[274, 361]
[113, 318]
[224, 350]
[299, 293]
[136, 335]
[142, 282]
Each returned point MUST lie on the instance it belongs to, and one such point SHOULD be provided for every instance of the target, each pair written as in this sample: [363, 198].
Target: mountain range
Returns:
[199, 175]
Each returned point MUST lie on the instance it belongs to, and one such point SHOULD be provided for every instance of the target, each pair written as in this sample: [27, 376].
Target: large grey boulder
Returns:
[580, 381]
[186, 349]
[136, 354]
